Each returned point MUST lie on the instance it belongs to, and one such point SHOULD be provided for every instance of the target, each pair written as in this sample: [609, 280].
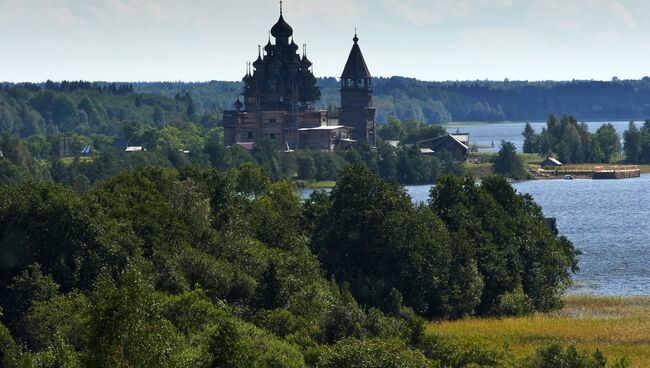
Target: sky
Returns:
[435, 40]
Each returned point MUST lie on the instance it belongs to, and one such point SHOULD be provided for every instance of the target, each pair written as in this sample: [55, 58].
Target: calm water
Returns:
[485, 134]
[608, 220]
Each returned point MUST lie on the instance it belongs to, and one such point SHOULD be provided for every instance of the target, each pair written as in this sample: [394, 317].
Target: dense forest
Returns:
[441, 102]
[189, 253]
[207, 268]
[45, 129]
[436, 102]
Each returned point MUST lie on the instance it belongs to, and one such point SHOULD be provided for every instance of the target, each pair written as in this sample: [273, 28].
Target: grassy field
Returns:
[617, 326]
[303, 184]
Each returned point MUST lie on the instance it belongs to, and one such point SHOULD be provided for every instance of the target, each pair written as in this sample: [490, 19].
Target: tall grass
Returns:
[617, 326]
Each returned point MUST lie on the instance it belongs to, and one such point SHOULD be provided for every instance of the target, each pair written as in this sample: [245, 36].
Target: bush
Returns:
[555, 356]
[515, 303]
[459, 354]
[372, 353]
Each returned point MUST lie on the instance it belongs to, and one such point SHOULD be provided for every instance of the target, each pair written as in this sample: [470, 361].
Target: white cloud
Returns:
[425, 12]
[345, 11]
[584, 14]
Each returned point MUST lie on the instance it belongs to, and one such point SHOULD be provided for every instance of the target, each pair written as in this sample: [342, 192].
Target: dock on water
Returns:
[617, 172]
[597, 172]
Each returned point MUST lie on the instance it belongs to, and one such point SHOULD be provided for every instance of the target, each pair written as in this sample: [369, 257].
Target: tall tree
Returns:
[632, 144]
[608, 141]
[507, 163]
[531, 140]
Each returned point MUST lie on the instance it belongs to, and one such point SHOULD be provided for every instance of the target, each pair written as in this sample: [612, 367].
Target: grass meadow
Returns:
[617, 326]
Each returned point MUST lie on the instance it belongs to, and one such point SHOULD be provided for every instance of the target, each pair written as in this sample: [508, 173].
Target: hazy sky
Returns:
[200, 40]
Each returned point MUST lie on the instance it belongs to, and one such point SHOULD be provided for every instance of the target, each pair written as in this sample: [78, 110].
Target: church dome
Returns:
[281, 29]
[293, 47]
[305, 62]
[268, 48]
[259, 62]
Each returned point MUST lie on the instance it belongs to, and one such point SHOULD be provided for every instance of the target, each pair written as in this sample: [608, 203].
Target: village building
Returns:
[445, 144]
[280, 95]
[550, 162]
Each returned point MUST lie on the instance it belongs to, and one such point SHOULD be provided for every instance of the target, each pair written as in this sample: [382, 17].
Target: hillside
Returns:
[441, 102]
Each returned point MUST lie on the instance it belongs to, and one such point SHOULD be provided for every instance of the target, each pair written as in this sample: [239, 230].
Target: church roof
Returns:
[356, 67]
[281, 29]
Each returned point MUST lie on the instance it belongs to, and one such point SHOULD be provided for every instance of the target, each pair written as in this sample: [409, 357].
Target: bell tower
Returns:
[356, 97]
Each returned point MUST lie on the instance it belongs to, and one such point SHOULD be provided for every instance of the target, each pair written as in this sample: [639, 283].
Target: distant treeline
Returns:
[431, 102]
[441, 102]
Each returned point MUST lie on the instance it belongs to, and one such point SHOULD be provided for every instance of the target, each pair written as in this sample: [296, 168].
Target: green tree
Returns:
[608, 141]
[531, 140]
[126, 327]
[508, 164]
[158, 116]
[372, 353]
[633, 144]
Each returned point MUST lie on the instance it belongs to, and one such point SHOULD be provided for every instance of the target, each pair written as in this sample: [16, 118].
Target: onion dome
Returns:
[305, 62]
[238, 105]
[259, 62]
[281, 29]
[292, 46]
[268, 48]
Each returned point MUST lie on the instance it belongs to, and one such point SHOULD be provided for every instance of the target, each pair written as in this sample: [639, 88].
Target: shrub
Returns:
[372, 353]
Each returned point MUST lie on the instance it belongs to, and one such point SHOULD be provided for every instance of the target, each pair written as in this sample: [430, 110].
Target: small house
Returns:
[550, 162]
[447, 144]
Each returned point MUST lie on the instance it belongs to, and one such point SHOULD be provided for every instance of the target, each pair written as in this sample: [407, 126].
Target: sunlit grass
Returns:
[617, 326]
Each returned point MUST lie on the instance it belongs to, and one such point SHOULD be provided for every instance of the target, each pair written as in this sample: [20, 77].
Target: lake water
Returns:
[608, 220]
[486, 134]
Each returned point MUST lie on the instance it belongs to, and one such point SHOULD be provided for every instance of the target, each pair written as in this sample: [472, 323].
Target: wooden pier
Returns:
[597, 172]
[616, 172]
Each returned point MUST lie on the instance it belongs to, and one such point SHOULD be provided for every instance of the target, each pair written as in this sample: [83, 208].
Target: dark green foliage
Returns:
[531, 140]
[441, 102]
[572, 142]
[467, 253]
[461, 354]
[608, 141]
[30, 287]
[508, 236]
[10, 352]
[204, 268]
[633, 144]
[372, 353]
[126, 326]
[508, 164]
[85, 108]
[555, 356]
[637, 143]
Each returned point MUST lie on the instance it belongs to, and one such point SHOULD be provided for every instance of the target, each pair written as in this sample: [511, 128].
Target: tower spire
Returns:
[280, 7]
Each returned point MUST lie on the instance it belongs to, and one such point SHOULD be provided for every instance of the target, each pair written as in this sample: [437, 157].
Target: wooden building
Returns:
[447, 144]
[280, 93]
[550, 162]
